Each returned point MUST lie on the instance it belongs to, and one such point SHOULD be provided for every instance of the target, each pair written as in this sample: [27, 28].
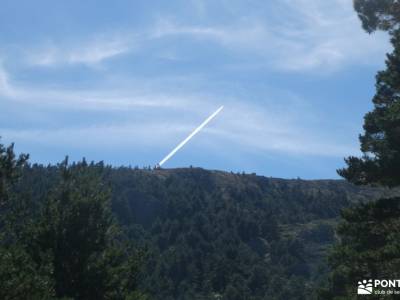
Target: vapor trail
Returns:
[189, 137]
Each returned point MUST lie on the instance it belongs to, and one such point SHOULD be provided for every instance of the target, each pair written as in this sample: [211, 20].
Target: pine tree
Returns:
[76, 229]
[69, 246]
[369, 236]
[380, 143]
[20, 276]
[378, 14]
[10, 170]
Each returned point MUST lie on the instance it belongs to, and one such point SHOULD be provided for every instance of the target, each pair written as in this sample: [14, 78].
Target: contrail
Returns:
[189, 137]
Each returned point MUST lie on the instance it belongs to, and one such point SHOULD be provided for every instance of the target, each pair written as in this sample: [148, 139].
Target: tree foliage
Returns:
[10, 170]
[20, 276]
[378, 14]
[368, 245]
[65, 244]
[380, 142]
[215, 235]
[68, 232]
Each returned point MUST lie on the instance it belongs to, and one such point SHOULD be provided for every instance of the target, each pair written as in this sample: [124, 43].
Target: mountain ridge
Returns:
[212, 234]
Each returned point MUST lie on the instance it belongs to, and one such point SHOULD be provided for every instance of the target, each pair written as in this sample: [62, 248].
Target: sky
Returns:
[125, 81]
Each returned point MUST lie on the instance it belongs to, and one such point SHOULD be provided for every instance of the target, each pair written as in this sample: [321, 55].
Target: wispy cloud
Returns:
[244, 134]
[310, 35]
[234, 36]
[298, 35]
[328, 36]
[159, 118]
[257, 129]
[98, 99]
[5, 88]
[89, 52]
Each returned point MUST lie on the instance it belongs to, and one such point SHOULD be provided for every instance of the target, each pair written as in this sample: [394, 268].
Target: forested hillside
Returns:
[217, 235]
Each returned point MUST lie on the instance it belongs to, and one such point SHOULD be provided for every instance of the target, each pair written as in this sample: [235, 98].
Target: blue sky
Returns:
[125, 81]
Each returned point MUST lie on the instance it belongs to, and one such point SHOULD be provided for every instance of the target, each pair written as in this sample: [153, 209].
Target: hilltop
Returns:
[219, 235]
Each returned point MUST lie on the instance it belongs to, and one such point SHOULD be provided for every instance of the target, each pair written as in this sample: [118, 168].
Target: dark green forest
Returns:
[91, 231]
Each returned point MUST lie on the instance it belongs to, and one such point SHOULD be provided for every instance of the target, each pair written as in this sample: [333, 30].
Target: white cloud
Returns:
[309, 35]
[100, 99]
[328, 37]
[228, 133]
[158, 119]
[5, 88]
[297, 35]
[3, 82]
[255, 128]
[89, 52]
[233, 37]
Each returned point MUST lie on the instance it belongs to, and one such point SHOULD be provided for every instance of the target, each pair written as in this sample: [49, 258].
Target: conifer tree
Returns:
[76, 229]
[69, 246]
[368, 245]
[20, 276]
[380, 142]
[378, 14]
